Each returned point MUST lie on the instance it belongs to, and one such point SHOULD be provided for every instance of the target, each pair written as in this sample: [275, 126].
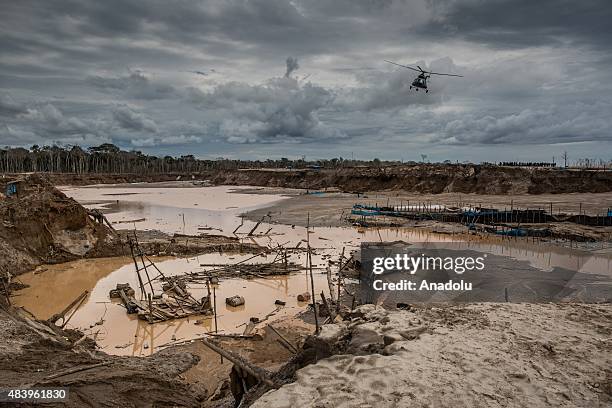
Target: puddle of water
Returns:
[173, 209]
[117, 328]
[53, 287]
[219, 207]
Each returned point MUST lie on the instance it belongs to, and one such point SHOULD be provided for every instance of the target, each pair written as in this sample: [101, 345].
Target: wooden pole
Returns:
[293, 348]
[215, 313]
[61, 314]
[314, 301]
[140, 283]
[73, 312]
[149, 297]
[339, 279]
[237, 361]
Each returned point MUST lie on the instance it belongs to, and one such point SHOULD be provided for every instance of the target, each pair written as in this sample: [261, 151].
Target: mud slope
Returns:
[34, 354]
[42, 225]
[428, 178]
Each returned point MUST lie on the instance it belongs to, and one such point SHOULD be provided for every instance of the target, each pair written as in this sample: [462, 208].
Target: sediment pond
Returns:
[186, 209]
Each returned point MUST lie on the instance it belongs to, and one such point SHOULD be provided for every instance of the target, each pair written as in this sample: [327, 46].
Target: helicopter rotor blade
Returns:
[403, 66]
[437, 73]
[422, 70]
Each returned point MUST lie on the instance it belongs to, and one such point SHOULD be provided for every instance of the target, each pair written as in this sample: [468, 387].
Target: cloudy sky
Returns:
[274, 78]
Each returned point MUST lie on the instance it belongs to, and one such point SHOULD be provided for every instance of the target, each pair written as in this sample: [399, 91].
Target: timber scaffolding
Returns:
[280, 265]
[473, 215]
[171, 301]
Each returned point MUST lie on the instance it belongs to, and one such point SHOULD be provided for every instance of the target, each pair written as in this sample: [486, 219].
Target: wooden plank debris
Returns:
[259, 373]
[287, 343]
[75, 302]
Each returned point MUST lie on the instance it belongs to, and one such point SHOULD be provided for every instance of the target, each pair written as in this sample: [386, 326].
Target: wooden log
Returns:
[43, 331]
[255, 227]
[291, 347]
[234, 336]
[249, 328]
[76, 370]
[331, 312]
[255, 371]
[72, 304]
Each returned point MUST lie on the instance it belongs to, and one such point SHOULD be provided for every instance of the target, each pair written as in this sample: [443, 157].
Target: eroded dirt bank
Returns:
[34, 354]
[428, 178]
[40, 224]
[421, 178]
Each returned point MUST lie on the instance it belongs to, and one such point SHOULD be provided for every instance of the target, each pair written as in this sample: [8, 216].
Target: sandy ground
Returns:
[481, 355]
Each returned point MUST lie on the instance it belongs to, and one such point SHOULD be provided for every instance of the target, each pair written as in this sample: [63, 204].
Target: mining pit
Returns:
[265, 244]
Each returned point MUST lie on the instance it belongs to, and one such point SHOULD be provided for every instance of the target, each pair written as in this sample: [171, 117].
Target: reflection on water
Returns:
[120, 333]
[185, 210]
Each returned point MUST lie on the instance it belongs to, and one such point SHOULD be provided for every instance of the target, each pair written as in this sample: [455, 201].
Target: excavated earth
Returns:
[477, 355]
[34, 354]
[41, 225]
[419, 178]
[428, 178]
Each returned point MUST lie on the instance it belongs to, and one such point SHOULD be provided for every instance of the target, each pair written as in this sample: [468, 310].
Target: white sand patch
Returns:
[483, 355]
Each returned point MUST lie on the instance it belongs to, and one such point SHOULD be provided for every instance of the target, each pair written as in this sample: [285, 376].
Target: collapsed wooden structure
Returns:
[171, 301]
[473, 214]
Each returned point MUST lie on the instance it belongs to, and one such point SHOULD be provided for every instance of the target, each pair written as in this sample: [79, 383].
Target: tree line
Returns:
[109, 158]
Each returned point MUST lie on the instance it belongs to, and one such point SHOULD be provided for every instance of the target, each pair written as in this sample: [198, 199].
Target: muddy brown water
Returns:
[185, 210]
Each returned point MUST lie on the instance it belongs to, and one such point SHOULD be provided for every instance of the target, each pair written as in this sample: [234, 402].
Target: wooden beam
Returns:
[284, 340]
[256, 372]
[72, 304]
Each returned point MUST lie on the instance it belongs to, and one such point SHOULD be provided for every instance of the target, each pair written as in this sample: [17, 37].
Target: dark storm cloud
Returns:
[280, 110]
[82, 71]
[524, 23]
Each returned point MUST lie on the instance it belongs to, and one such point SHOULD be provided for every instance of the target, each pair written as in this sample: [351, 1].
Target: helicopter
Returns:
[421, 80]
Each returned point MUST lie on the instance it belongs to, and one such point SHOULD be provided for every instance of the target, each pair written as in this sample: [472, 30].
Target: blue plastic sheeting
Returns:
[366, 207]
[366, 213]
[515, 232]
[11, 189]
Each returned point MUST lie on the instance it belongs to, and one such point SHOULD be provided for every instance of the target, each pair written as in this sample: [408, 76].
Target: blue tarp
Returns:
[514, 232]
[365, 212]
[11, 189]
